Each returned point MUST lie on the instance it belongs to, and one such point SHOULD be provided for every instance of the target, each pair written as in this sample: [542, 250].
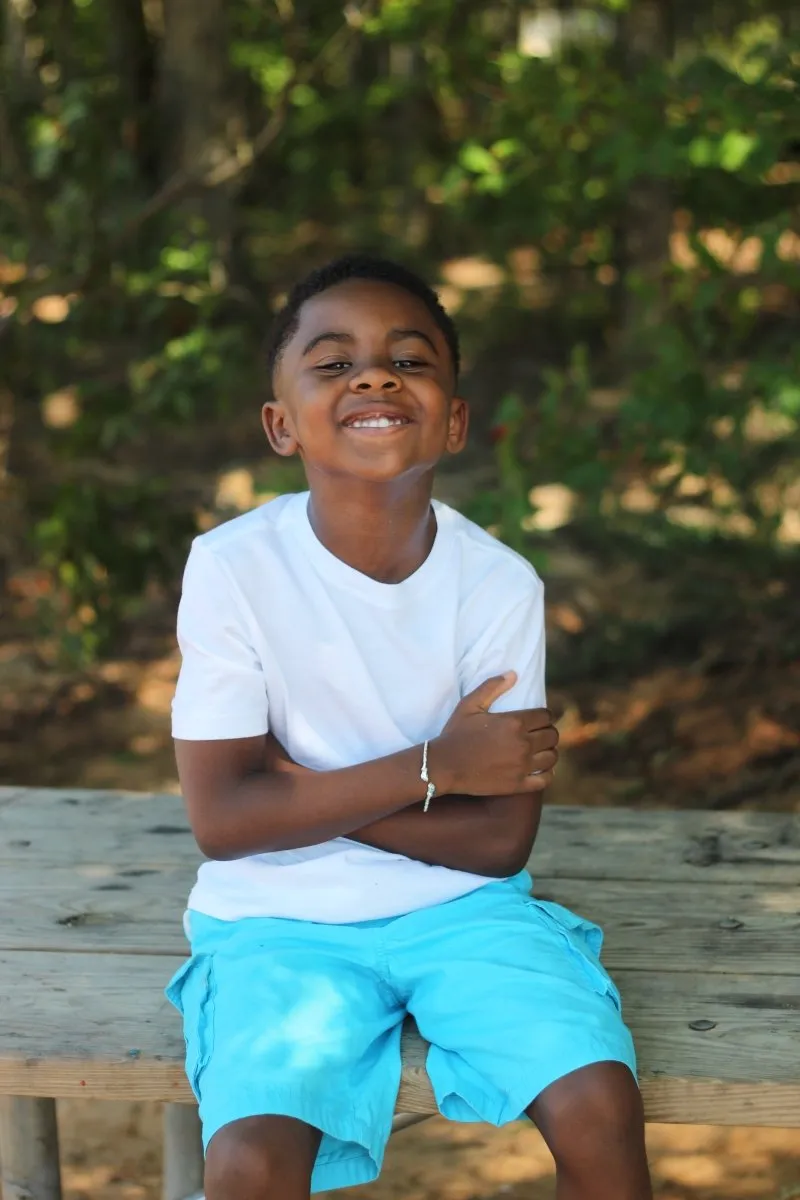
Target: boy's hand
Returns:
[480, 753]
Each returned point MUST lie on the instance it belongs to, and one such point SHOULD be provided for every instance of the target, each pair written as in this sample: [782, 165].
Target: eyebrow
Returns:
[330, 336]
[395, 335]
[398, 334]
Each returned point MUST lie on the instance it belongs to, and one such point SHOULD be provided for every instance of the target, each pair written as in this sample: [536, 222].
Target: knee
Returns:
[243, 1165]
[591, 1114]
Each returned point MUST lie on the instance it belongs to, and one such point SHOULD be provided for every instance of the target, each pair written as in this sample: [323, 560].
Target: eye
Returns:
[409, 364]
[332, 368]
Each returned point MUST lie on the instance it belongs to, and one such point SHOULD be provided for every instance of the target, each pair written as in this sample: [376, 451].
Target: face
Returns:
[365, 386]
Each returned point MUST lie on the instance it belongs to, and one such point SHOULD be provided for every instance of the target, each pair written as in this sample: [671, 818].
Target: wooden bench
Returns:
[703, 937]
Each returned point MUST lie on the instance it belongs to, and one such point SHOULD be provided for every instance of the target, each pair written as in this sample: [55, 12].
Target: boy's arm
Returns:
[240, 804]
[466, 834]
[220, 721]
[490, 835]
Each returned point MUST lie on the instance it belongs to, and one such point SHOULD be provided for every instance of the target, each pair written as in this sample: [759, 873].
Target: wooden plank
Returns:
[41, 827]
[649, 926]
[672, 847]
[183, 1153]
[94, 907]
[679, 1100]
[7, 794]
[711, 1048]
[29, 1162]
[140, 830]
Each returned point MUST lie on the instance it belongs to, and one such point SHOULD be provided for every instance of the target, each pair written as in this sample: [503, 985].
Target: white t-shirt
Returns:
[278, 634]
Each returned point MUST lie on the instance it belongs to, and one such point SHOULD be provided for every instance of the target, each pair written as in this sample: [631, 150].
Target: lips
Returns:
[375, 419]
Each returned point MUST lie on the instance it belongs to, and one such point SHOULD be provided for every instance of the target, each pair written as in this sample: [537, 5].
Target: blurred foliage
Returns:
[607, 194]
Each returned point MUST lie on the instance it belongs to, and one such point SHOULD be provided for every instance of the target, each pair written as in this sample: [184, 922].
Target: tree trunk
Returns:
[132, 53]
[16, 63]
[647, 42]
[202, 118]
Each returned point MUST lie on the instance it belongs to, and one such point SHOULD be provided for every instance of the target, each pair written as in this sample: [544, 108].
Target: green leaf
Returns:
[701, 152]
[477, 159]
[788, 399]
[735, 149]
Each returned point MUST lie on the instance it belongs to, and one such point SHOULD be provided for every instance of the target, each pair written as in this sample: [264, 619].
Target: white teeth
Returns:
[376, 422]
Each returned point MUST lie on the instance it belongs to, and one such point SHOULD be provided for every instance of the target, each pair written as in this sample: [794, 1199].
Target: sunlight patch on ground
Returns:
[553, 505]
[639, 498]
[235, 489]
[157, 684]
[51, 310]
[61, 409]
[475, 272]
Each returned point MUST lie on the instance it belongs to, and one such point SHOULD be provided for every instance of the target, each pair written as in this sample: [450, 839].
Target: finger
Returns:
[538, 781]
[543, 739]
[544, 761]
[536, 718]
[484, 696]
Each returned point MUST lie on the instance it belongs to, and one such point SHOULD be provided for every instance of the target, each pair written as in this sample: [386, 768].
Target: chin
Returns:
[384, 468]
[379, 475]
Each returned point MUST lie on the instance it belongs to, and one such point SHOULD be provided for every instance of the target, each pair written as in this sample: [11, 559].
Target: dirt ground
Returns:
[718, 730]
[112, 1152]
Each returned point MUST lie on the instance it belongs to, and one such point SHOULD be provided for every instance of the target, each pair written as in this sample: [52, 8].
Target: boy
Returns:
[362, 745]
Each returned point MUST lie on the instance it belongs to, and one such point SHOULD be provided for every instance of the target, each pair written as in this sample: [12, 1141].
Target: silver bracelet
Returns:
[431, 792]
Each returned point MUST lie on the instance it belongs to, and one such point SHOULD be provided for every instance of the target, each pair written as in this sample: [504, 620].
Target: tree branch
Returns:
[235, 166]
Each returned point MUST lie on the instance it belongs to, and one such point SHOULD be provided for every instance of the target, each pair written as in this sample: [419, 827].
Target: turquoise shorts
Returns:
[303, 1019]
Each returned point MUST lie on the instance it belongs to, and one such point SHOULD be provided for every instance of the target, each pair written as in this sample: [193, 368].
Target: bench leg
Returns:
[406, 1120]
[29, 1165]
[183, 1153]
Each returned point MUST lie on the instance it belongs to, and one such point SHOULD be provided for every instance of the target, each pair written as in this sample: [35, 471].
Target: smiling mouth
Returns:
[381, 421]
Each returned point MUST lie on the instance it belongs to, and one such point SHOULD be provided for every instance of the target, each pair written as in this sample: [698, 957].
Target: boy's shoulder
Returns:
[258, 526]
[485, 562]
[488, 572]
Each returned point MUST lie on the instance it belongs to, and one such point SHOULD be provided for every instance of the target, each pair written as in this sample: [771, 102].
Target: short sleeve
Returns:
[513, 639]
[221, 690]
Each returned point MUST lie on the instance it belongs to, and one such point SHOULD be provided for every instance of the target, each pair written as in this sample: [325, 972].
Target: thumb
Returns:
[484, 696]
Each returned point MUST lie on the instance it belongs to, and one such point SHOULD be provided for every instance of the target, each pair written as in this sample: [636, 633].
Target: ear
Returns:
[279, 429]
[458, 427]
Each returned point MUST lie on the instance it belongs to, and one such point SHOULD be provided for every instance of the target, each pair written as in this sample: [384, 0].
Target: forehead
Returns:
[365, 308]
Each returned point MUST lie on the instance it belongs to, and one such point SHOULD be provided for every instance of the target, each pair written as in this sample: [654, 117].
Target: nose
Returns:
[375, 378]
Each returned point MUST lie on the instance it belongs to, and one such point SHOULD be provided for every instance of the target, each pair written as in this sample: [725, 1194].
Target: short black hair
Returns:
[356, 266]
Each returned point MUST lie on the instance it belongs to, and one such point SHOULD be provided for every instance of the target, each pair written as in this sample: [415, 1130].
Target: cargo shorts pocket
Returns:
[192, 992]
[585, 939]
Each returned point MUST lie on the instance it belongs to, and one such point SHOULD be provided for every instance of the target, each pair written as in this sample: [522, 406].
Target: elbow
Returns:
[505, 856]
[220, 846]
[504, 866]
[212, 846]
[508, 850]
[223, 843]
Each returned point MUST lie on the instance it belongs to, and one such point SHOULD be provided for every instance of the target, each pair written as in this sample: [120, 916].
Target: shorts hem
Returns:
[332, 1172]
[519, 1100]
[334, 1168]
[501, 1107]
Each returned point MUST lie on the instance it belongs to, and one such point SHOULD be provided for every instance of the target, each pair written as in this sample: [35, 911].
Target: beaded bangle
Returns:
[431, 786]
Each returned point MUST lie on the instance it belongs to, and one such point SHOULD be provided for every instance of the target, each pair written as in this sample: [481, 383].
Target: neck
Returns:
[385, 530]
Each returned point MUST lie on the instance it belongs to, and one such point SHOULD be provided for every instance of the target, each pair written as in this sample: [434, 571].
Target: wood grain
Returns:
[94, 908]
[701, 913]
[78, 1025]
[115, 828]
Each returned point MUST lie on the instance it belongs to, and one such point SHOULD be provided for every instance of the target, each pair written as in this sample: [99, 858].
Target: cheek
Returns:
[312, 417]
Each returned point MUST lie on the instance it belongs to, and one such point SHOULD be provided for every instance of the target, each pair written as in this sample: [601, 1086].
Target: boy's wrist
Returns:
[441, 771]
